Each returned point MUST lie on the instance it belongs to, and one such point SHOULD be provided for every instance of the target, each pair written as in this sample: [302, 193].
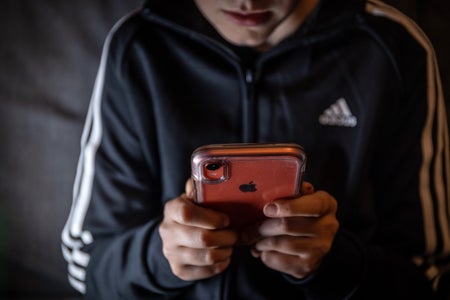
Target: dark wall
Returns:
[49, 54]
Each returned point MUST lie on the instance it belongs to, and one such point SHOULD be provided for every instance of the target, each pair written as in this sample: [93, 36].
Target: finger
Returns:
[307, 188]
[175, 235]
[189, 188]
[184, 211]
[203, 238]
[289, 264]
[189, 272]
[287, 245]
[200, 257]
[249, 235]
[255, 253]
[294, 226]
[312, 205]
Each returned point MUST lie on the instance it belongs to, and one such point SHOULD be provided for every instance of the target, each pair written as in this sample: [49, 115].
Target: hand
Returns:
[195, 241]
[298, 234]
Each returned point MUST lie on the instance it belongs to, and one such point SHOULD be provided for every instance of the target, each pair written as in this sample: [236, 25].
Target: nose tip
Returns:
[247, 5]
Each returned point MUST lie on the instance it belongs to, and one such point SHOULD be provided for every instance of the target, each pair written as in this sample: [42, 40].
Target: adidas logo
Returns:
[338, 114]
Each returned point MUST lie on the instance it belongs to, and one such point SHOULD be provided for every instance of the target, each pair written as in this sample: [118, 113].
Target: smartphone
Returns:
[239, 179]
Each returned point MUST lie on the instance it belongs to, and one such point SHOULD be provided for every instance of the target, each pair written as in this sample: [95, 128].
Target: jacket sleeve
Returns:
[111, 241]
[409, 252]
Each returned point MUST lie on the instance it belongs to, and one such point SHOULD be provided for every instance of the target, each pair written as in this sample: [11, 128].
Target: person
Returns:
[354, 82]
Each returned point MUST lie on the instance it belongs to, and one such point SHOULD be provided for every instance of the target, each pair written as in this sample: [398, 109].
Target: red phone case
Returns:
[239, 179]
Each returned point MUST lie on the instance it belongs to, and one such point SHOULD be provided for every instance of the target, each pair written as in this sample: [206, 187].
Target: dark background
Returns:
[49, 54]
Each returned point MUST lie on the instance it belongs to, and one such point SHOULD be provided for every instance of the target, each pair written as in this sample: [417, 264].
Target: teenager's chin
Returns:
[257, 44]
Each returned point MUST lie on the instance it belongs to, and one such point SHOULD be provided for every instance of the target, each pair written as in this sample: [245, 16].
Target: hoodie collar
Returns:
[331, 12]
[184, 14]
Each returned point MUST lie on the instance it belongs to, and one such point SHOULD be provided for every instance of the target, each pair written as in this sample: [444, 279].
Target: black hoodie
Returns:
[357, 86]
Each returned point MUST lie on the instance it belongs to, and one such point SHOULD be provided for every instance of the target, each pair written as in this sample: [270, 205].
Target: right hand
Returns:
[196, 241]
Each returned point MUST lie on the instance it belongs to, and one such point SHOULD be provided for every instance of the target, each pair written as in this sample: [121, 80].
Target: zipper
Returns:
[249, 108]
[249, 73]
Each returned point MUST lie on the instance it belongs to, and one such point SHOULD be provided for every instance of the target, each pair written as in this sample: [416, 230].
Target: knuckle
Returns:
[170, 253]
[210, 257]
[326, 202]
[219, 267]
[181, 272]
[177, 210]
[271, 242]
[323, 249]
[204, 238]
[333, 204]
[332, 226]
[286, 226]
[167, 253]
[303, 271]
[170, 206]
[296, 270]
[323, 202]
[307, 266]
[214, 256]
[164, 232]
[184, 213]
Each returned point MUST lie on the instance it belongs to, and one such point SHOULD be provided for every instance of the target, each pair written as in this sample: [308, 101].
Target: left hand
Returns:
[298, 233]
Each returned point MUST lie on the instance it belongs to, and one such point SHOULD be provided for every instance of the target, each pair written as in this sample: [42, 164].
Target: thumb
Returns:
[189, 188]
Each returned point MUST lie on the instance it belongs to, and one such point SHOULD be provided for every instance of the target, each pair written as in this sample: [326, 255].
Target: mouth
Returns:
[248, 19]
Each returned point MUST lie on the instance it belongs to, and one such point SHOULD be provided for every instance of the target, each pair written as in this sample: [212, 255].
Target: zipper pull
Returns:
[248, 109]
[249, 76]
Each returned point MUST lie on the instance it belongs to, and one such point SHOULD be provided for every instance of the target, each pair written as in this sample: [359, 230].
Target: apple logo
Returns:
[248, 187]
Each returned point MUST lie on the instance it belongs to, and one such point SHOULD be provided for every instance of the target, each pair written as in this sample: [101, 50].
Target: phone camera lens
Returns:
[214, 171]
[213, 166]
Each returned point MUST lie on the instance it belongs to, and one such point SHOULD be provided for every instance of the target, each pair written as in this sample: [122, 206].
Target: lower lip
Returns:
[249, 20]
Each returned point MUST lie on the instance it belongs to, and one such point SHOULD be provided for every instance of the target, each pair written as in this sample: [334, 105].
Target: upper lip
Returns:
[246, 13]
[253, 17]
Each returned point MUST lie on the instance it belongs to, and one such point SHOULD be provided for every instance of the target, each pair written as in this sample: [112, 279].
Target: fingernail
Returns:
[271, 210]
[255, 253]
[190, 194]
